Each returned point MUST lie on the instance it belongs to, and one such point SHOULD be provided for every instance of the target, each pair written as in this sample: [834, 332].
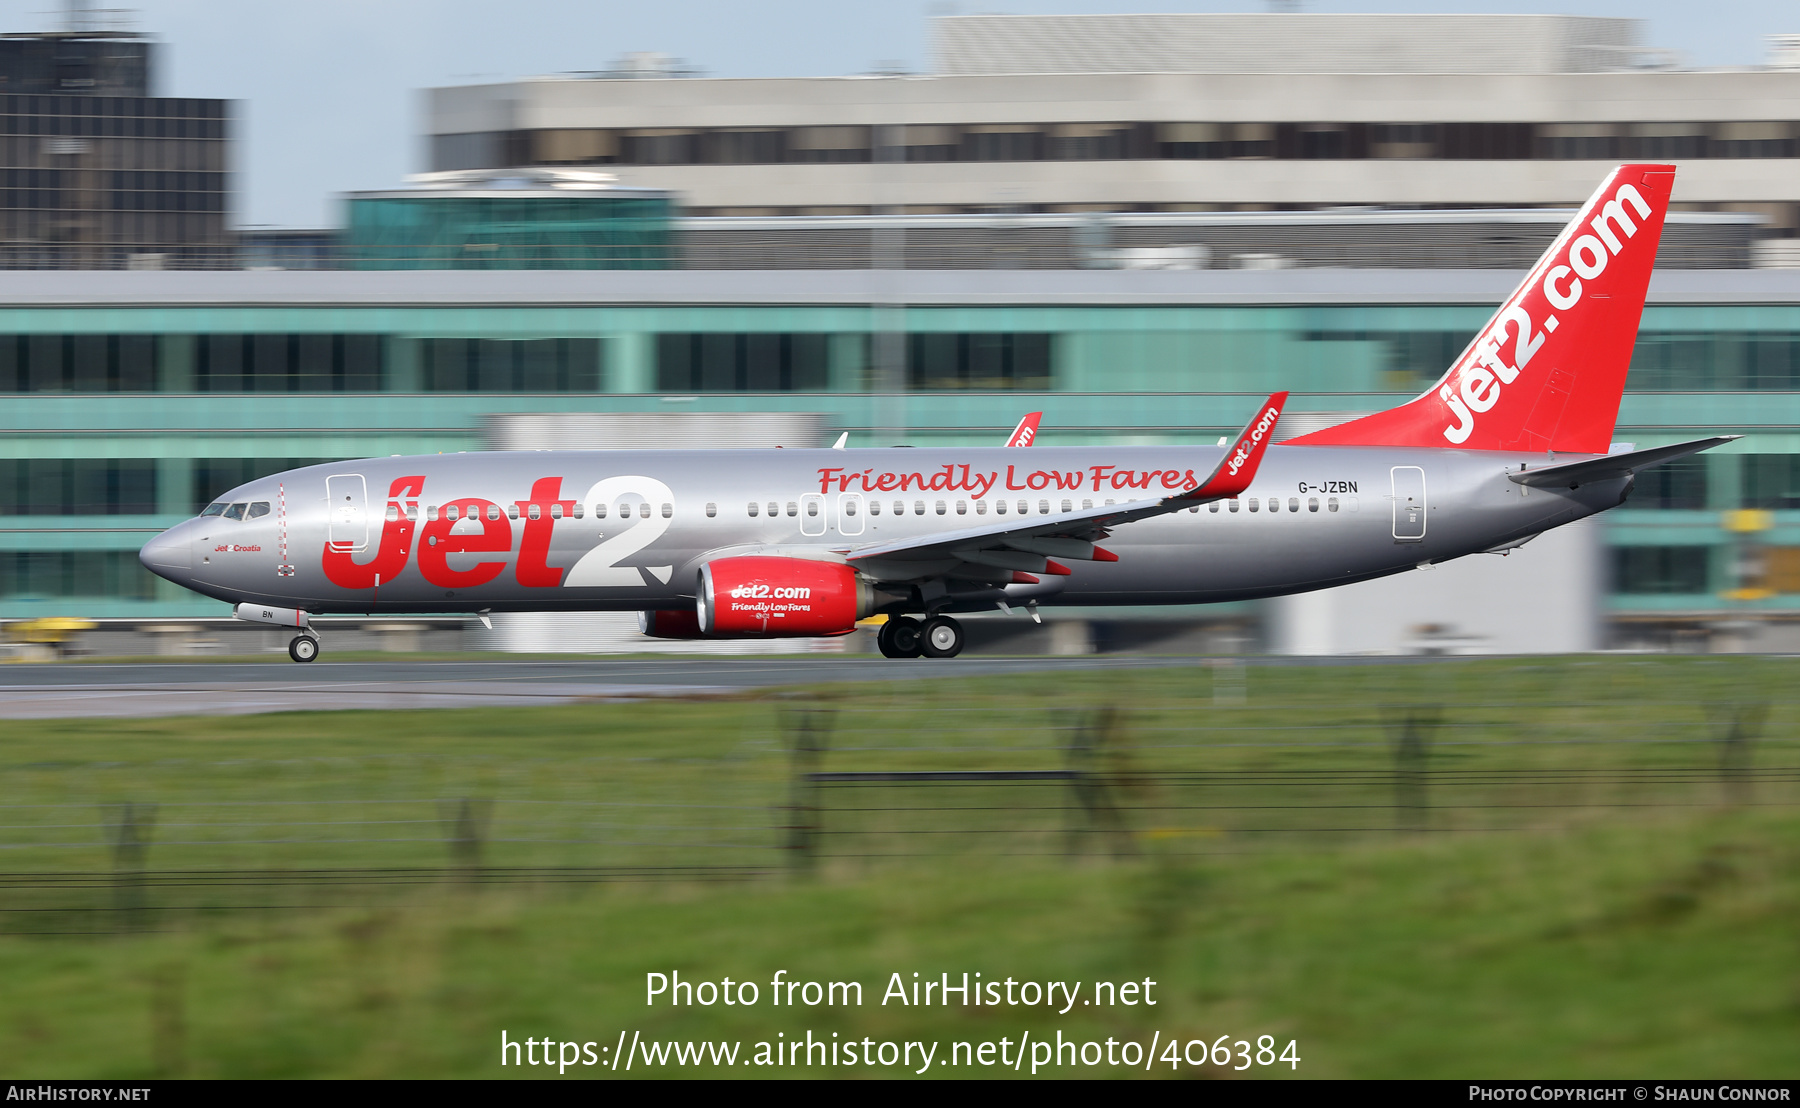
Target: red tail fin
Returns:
[1547, 371]
[1026, 431]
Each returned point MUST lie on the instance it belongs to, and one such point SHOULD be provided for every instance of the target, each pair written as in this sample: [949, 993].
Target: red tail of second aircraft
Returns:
[1547, 372]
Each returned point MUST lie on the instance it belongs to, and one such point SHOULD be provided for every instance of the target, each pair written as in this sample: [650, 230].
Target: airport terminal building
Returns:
[136, 397]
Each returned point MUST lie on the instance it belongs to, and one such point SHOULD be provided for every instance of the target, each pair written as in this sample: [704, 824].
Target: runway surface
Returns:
[49, 691]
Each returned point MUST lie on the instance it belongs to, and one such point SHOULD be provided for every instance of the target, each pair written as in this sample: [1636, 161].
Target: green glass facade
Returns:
[459, 230]
[120, 419]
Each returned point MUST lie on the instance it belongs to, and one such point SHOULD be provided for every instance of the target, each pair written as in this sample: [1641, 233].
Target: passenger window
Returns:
[1067, 506]
[578, 509]
[1234, 503]
[1331, 504]
[393, 512]
[848, 509]
[451, 511]
[493, 511]
[1194, 510]
[600, 511]
[754, 508]
[1255, 504]
[1213, 507]
[512, 511]
[1086, 504]
[712, 509]
[774, 508]
[261, 508]
[431, 513]
[793, 508]
[962, 507]
[1293, 503]
[214, 509]
[918, 507]
[644, 510]
[1312, 503]
[981, 507]
[1110, 502]
[874, 507]
[556, 511]
[236, 511]
[412, 513]
[1024, 508]
[668, 511]
[941, 507]
[999, 507]
[899, 508]
[535, 511]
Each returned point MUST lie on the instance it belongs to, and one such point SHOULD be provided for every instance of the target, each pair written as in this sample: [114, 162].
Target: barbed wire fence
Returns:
[834, 784]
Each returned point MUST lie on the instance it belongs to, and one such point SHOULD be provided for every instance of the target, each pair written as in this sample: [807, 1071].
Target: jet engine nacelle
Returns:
[765, 596]
[663, 624]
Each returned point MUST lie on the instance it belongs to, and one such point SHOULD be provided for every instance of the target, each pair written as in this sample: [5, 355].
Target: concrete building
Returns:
[1172, 113]
[96, 172]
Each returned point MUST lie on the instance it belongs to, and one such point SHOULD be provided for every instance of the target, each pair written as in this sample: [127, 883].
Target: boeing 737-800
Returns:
[1513, 440]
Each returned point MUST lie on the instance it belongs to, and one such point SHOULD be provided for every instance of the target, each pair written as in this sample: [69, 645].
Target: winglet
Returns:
[1026, 432]
[841, 440]
[1238, 468]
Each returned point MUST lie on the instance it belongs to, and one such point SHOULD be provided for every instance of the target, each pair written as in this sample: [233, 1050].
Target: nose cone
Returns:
[169, 554]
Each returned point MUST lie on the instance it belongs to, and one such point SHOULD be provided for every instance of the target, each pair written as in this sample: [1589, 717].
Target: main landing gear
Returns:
[303, 648]
[906, 637]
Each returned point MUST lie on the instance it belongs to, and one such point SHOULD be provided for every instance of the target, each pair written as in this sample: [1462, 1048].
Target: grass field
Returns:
[1584, 867]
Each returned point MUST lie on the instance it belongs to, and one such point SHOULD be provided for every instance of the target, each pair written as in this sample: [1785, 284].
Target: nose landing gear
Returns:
[303, 648]
[906, 637]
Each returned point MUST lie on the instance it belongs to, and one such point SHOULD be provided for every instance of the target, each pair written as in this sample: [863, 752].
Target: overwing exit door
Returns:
[1409, 503]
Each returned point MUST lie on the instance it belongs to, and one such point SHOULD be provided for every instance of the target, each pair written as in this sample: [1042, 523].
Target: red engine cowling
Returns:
[682, 624]
[771, 597]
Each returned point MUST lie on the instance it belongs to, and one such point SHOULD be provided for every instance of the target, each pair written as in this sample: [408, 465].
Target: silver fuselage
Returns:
[636, 526]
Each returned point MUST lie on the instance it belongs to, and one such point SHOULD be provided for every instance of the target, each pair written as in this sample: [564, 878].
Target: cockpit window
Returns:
[236, 511]
[214, 509]
[260, 508]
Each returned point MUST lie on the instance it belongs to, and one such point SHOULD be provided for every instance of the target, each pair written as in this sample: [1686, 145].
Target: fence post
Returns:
[1412, 729]
[131, 828]
[1736, 727]
[1089, 787]
[809, 728]
[467, 819]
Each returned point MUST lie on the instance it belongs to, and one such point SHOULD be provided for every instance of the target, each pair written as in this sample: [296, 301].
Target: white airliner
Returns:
[1513, 440]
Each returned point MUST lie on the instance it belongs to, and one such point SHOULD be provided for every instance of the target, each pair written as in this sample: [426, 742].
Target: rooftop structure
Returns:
[991, 45]
[77, 63]
[534, 218]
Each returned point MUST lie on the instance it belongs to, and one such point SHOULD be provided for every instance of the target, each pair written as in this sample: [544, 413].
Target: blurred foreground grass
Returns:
[1594, 894]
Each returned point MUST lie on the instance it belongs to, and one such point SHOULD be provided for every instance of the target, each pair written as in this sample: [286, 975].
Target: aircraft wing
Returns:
[1575, 474]
[1026, 544]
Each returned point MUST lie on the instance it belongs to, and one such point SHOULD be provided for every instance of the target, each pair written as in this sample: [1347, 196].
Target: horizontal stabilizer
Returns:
[1569, 475]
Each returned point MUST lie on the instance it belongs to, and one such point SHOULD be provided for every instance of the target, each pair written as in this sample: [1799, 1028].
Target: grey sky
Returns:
[327, 86]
